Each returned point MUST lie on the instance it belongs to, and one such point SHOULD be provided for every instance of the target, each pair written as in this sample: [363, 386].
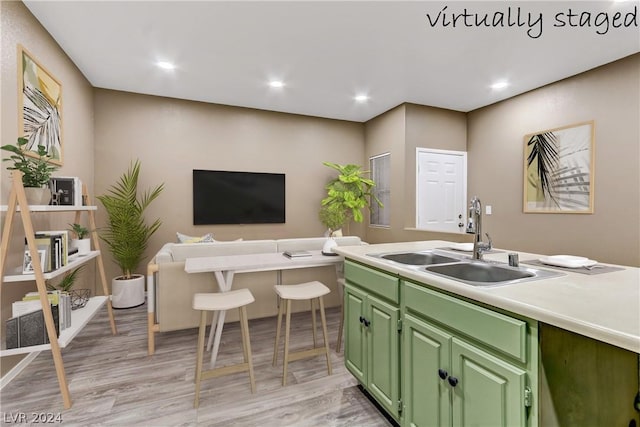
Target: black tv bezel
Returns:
[280, 218]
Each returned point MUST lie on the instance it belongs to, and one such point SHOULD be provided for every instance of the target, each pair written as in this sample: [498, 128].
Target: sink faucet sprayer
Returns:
[475, 227]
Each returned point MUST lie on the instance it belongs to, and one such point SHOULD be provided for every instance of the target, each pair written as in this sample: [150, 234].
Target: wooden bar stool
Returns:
[223, 301]
[303, 291]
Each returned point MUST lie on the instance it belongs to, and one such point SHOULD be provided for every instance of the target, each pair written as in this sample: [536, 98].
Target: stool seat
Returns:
[302, 291]
[222, 300]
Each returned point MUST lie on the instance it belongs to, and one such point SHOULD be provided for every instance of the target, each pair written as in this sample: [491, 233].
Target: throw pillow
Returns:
[183, 238]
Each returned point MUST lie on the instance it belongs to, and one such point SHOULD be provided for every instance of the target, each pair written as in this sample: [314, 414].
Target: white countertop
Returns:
[603, 306]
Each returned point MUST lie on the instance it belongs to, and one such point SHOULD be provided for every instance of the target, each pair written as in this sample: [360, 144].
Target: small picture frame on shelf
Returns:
[27, 262]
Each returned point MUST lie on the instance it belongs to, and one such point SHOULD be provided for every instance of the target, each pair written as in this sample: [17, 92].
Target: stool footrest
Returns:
[225, 370]
[303, 354]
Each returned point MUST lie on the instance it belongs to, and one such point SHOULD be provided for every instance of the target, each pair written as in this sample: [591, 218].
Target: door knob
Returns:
[453, 381]
[443, 374]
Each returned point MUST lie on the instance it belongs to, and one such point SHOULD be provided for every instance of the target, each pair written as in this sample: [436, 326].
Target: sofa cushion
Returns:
[183, 238]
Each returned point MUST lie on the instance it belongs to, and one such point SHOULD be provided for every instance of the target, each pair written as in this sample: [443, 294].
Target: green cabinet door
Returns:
[489, 391]
[383, 363]
[355, 351]
[426, 359]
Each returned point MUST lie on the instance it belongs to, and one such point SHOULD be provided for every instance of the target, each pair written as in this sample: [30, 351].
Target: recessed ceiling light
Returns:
[276, 83]
[500, 85]
[361, 98]
[165, 65]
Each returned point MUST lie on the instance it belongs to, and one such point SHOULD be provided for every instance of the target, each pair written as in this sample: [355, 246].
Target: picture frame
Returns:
[27, 262]
[559, 170]
[39, 108]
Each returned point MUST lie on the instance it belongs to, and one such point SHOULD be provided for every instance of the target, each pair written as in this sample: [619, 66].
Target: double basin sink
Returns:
[464, 269]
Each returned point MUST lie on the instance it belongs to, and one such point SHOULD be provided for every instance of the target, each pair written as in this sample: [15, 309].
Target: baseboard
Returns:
[6, 379]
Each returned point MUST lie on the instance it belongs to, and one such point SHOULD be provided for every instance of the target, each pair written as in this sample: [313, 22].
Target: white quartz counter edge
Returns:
[605, 307]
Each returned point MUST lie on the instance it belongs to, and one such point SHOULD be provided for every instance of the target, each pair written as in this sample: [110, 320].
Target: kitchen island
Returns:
[579, 357]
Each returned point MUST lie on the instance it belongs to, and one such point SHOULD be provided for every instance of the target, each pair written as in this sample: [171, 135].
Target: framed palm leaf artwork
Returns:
[558, 170]
[40, 107]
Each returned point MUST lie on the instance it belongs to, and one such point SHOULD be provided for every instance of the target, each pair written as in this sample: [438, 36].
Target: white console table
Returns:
[224, 268]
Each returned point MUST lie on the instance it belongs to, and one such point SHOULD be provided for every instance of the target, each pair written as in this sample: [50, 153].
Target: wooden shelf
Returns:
[17, 276]
[17, 204]
[79, 319]
[51, 208]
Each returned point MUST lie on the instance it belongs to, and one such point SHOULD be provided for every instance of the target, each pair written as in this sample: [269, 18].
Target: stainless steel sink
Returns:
[417, 258]
[479, 273]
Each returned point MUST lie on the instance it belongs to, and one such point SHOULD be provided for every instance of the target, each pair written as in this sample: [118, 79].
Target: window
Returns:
[381, 174]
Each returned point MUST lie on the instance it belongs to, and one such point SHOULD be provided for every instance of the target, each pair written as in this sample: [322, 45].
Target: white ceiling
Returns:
[326, 52]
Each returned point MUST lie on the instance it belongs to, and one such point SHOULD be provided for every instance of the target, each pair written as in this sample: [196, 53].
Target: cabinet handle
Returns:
[443, 374]
[453, 381]
[366, 323]
[361, 319]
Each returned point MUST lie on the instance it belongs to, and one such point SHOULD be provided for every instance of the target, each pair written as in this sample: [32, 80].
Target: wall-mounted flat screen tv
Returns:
[228, 197]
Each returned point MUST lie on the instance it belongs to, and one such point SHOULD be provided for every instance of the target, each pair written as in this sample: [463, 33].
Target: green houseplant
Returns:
[36, 171]
[347, 195]
[82, 242]
[127, 232]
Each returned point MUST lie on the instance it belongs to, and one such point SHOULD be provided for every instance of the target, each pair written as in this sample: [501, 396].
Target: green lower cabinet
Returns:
[488, 390]
[426, 358]
[372, 346]
[355, 351]
[449, 382]
[383, 363]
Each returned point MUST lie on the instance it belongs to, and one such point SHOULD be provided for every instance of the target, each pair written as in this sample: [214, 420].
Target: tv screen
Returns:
[227, 197]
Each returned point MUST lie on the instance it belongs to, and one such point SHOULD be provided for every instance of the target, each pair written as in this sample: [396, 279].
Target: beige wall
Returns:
[609, 95]
[18, 26]
[399, 132]
[172, 137]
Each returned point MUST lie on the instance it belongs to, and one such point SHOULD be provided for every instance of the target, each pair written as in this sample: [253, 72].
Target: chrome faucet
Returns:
[474, 227]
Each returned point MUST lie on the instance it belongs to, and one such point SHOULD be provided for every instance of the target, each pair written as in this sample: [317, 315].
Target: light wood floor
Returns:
[114, 382]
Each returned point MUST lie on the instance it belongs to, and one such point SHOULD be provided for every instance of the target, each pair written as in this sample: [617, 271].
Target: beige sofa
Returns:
[170, 289]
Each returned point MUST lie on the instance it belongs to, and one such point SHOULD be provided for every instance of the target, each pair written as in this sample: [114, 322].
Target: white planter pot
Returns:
[83, 245]
[127, 293]
[38, 195]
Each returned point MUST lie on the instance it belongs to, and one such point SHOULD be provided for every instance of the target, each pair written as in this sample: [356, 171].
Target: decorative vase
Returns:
[327, 249]
[38, 195]
[127, 293]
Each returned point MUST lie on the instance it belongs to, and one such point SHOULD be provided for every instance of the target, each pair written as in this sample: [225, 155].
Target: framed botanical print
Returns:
[40, 107]
[558, 170]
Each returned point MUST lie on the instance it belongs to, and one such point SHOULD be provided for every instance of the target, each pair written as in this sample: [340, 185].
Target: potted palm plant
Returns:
[127, 234]
[347, 195]
[36, 171]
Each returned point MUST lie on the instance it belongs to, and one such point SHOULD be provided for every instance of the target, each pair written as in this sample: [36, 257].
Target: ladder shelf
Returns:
[17, 203]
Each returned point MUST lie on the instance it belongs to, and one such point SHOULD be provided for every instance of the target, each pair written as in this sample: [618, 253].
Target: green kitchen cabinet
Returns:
[372, 344]
[464, 365]
[426, 365]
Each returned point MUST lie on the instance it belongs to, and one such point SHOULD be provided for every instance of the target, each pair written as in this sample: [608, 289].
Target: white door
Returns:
[441, 189]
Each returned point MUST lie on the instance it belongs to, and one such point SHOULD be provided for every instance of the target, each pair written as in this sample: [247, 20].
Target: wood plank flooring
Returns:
[113, 382]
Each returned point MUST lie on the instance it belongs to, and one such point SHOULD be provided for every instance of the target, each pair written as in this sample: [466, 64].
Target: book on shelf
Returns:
[297, 254]
[29, 329]
[61, 244]
[53, 251]
[31, 302]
